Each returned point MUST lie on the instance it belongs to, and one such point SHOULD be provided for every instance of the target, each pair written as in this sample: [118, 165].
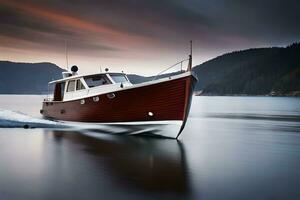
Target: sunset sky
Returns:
[140, 36]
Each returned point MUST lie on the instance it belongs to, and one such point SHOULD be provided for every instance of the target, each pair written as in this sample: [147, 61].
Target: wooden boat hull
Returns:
[163, 101]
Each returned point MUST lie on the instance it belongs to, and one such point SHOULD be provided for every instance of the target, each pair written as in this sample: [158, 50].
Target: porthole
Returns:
[96, 99]
[111, 95]
[82, 101]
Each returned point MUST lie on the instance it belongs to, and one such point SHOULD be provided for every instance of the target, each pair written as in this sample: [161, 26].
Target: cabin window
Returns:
[96, 80]
[79, 85]
[71, 86]
[119, 78]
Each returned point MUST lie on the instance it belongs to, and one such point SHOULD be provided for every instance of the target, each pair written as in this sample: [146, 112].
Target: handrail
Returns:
[180, 62]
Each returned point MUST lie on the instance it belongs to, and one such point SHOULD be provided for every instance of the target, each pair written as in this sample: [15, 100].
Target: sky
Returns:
[140, 36]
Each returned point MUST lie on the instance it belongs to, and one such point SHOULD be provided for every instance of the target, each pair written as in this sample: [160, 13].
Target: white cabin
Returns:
[77, 87]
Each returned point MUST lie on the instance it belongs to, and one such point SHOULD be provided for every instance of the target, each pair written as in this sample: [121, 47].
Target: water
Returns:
[231, 148]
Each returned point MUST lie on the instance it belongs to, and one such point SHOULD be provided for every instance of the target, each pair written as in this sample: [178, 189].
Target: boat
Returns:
[109, 99]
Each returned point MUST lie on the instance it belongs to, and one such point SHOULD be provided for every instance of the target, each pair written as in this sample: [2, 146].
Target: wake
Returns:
[12, 119]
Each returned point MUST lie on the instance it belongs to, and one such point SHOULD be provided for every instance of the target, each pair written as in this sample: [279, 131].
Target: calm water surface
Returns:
[231, 148]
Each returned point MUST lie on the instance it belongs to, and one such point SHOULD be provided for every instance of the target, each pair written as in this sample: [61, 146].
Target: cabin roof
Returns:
[80, 76]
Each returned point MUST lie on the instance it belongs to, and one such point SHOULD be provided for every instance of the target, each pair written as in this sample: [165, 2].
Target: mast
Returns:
[190, 57]
[66, 52]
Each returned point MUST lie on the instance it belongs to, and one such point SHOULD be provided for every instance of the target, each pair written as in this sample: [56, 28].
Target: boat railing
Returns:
[47, 98]
[171, 67]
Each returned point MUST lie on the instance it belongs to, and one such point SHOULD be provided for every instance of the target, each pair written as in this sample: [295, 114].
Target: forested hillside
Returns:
[27, 78]
[263, 71]
[252, 72]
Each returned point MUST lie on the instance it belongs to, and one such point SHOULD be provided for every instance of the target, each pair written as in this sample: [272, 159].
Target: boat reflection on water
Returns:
[144, 164]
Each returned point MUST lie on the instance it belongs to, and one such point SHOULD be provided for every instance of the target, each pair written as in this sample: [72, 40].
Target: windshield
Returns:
[96, 80]
[118, 78]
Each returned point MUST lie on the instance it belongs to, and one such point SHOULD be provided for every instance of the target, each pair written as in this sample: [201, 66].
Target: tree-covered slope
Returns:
[252, 72]
[27, 78]
[249, 72]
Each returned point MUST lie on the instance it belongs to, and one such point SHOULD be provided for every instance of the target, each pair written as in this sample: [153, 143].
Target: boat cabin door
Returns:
[59, 89]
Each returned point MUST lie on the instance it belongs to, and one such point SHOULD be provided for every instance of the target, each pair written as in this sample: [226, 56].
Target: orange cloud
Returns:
[70, 21]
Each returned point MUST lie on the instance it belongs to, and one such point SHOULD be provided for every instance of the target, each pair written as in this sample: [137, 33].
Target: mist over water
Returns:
[231, 148]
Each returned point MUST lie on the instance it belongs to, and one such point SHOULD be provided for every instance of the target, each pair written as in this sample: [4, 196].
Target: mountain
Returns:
[27, 78]
[260, 71]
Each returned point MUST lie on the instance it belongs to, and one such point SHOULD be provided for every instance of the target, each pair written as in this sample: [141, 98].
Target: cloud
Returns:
[270, 21]
[147, 28]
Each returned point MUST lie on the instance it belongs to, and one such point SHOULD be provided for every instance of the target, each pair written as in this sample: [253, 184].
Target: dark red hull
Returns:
[168, 100]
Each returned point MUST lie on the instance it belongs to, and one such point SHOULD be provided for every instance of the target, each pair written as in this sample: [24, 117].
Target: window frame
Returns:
[118, 74]
[109, 82]
[74, 87]
[82, 84]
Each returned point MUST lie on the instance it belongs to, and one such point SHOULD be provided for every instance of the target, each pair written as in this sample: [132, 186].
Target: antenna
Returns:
[66, 52]
[191, 42]
[190, 57]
